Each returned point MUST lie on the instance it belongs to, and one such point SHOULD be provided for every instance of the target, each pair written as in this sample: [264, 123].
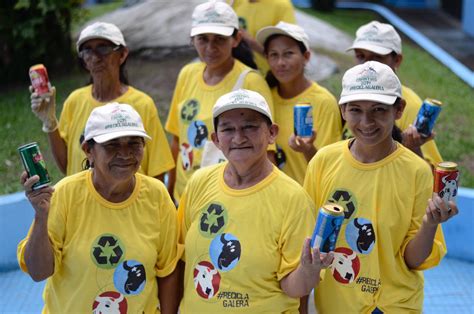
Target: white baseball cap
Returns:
[372, 81]
[101, 30]
[114, 120]
[242, 99]
[282, 28]
[377, 37]
[214, 17]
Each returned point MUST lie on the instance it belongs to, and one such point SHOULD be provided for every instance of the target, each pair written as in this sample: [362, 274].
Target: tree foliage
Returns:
[35, 31]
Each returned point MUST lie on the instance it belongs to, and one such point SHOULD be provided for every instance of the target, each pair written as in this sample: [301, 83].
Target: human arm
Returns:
[305, 277]
[170, 291]
[304, 145]
[419, 248]
[172, 173]
[44, 107]
[38, 256]
[254, 44]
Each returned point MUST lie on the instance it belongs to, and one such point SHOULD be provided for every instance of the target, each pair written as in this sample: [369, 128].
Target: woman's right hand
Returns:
[44, 107]
[40, 199]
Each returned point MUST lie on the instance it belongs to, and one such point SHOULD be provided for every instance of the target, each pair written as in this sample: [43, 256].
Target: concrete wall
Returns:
[16, 215]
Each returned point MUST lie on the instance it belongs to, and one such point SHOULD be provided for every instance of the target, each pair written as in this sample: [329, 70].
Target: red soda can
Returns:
[39, 79]
[446, 181]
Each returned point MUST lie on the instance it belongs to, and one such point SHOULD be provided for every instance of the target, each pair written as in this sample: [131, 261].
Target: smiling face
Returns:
[285, 58]
[370, 122]
[117, 159]
[243, 136]
[103, 65]
[215, 50]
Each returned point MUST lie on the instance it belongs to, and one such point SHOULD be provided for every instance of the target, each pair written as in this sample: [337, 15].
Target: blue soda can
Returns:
[327, 228]
[427, 115]
[303, 120]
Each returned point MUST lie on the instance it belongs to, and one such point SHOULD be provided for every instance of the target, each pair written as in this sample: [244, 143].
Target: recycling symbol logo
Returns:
[213, 219]
[346, 199]
[107, 251]
[189, 111]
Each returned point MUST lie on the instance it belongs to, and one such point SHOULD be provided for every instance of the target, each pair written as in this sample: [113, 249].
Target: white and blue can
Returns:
[427, 115]
[327, 228]
[303, 120]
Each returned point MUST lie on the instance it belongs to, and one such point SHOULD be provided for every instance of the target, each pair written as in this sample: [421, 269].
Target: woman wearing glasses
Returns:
[103, 53]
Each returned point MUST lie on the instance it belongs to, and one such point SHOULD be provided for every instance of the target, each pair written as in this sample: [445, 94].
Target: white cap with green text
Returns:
[377, 37]
[242, 99]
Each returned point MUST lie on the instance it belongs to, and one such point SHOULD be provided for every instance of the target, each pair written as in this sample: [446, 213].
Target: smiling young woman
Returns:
[392, 226]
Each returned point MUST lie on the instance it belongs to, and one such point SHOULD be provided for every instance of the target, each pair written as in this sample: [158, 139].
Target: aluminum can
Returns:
[39, 79]
[425, 120]
[34, 164]
[327, 227]
[303, 120]
[446, 181]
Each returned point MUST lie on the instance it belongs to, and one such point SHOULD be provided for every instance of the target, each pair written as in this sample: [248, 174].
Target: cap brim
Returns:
[241, 106]
[377, 49]
[212, 29]
[83, 40]
[268, 31]
[384, 99]
[110, 136]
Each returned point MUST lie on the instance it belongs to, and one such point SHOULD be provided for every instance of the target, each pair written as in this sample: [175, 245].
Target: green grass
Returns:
[419, 71]
[428, 78]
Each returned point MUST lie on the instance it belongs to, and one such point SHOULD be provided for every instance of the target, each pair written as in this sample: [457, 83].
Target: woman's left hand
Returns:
[437, 212]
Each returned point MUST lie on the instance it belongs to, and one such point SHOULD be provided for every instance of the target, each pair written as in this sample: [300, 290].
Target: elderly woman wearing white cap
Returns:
[392, 220]
[103, 53]
[215, 36]
[380, 42]
[103, 236]
[287, 51]
[244, 222]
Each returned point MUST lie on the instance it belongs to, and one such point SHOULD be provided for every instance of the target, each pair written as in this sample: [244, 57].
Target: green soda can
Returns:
[34, 164]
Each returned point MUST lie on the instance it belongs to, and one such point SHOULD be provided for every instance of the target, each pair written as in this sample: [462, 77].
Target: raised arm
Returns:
[39, 257]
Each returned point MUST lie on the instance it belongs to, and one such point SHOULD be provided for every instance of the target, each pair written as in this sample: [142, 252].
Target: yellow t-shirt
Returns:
[384, 204]
[254, 16]
[326, 122]
[429, 149]
[240, 243]
[103, 249]
[157, 158]
[190, 115]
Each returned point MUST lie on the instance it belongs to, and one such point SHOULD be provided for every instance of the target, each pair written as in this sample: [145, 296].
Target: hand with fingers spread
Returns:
[44, 107]
[39, 199]
[303, 145]
[437, 212]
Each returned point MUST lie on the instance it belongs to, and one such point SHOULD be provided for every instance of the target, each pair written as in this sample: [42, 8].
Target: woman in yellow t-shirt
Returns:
[392, 226]
[105, 238]
[244, 222]
[216, 37]
[287, 51]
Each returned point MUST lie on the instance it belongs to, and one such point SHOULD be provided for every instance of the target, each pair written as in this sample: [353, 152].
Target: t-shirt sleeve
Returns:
[296, 227]
[329, 125]
[169, 249]
[311, 182]
[65, 119]
[172, 122]
[182, 219]
[424, 187]
[158, 154]
[286, 13]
